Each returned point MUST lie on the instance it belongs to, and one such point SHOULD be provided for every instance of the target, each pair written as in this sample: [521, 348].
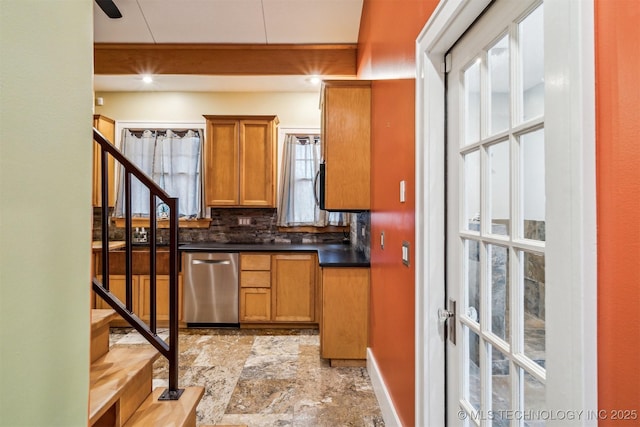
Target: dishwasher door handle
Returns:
[211, 261]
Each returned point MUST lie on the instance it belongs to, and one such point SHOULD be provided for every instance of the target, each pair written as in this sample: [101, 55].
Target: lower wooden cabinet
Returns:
[293, 282]
[117, 286]
[344, 323]
[162, 298]
[278, 288]
[141, 285]
[255, 305]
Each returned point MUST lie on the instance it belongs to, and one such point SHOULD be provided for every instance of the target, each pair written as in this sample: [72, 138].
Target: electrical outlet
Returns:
[362, 232]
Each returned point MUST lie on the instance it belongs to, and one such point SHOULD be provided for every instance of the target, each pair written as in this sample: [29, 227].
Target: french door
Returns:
[495, 274]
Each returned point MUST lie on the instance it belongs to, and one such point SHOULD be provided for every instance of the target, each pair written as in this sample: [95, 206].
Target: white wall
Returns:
[46, 51]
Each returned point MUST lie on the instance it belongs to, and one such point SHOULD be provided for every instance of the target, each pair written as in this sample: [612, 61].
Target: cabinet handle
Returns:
[211, 261]
[315, 188]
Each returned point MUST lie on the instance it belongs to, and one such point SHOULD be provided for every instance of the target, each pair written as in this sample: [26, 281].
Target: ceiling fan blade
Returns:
[109, 8]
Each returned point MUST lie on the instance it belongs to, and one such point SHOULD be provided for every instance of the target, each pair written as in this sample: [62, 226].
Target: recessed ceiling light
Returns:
[314, 80]
[147, 79]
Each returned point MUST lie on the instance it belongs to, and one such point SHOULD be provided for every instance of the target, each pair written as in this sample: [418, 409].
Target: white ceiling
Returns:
[225, 21]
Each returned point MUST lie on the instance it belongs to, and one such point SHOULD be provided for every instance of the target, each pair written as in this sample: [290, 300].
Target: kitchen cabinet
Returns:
[117, 286]
[107, 127]
[255, 305]
[255, 287]
[278, 288]
[345, 315]
[346, 144]
[240, 161]
[293, 286]
[162, 298]
[140, 284]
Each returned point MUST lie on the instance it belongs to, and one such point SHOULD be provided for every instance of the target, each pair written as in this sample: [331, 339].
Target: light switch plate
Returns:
[403, 186]
[382, 240]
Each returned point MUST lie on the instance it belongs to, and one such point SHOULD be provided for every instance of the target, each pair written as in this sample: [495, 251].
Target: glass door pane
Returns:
[499, 81]
[531, 34]
[472, 104]
[499, 189]
[532, 179]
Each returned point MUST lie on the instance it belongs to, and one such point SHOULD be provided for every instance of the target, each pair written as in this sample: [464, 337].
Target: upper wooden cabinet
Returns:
[107, 127]
[346, 144]
[240, 160]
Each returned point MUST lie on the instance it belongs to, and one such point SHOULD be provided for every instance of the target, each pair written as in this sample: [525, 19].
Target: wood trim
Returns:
[225, 59]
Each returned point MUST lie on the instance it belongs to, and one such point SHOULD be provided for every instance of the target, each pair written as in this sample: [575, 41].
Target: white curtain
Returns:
[173, 160]
[300, 164]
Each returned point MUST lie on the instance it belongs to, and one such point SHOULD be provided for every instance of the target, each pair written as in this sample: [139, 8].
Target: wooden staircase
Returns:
[120, 392]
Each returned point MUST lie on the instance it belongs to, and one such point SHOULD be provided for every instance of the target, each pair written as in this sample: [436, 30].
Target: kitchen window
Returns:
[173, 159]
[298, 205]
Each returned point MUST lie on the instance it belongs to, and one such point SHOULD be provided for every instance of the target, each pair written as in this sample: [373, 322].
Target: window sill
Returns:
[311, 229]
[164, 223]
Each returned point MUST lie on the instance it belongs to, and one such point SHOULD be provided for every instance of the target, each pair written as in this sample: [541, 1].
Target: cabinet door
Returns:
[293, 282]
[106, 127]
[255, 305]
[346, 139]
[221, 163]
[257, 163]
[117, 286]
[345, 313]
[162, 298]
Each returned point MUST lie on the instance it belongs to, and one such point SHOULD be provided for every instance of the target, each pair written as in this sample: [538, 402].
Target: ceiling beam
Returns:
[226, 59]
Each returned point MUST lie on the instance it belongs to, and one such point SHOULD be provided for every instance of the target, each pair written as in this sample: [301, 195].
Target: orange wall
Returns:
[618, 195]
[386, 53]
[392, 283]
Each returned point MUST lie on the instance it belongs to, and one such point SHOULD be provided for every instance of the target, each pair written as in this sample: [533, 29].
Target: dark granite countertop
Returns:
[329, 255]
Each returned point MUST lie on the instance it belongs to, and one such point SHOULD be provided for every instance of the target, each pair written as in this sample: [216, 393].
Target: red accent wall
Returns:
[386, 51]
[392, 337]
[618, 200]
[386, 54]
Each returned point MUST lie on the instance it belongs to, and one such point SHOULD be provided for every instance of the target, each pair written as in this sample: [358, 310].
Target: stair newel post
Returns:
[104, 177]
[152, 262]
[129, 247]
[173, 392]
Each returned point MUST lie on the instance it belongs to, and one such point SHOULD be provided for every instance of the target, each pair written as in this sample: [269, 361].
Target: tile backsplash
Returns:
[262, 228]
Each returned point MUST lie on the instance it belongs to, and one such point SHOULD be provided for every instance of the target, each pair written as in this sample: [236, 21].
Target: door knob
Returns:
[444, 315]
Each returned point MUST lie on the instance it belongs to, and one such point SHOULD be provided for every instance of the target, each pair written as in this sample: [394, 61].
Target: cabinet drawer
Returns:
[255, 262]
[255, 279]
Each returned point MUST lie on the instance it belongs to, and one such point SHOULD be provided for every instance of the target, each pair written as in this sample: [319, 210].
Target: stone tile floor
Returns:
[265, 378]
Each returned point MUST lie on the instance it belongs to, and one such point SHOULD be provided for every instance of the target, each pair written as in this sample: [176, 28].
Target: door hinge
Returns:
[448, 318]
[445, 67]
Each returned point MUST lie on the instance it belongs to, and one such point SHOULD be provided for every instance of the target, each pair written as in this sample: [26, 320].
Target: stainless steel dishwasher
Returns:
[210, 288]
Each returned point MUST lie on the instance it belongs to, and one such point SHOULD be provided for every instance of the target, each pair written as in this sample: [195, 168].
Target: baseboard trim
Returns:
[389, 413]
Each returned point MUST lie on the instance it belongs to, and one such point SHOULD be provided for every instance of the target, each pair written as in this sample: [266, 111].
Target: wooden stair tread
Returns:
[112, 373]
[101, 317]
[172, 413]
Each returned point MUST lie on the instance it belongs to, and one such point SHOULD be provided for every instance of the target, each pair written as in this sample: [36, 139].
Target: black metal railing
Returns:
[149, 332]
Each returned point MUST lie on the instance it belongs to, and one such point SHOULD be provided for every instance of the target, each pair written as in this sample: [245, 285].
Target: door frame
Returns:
[571, 291]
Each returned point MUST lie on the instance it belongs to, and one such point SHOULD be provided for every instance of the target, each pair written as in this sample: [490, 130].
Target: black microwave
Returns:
[318, 186]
